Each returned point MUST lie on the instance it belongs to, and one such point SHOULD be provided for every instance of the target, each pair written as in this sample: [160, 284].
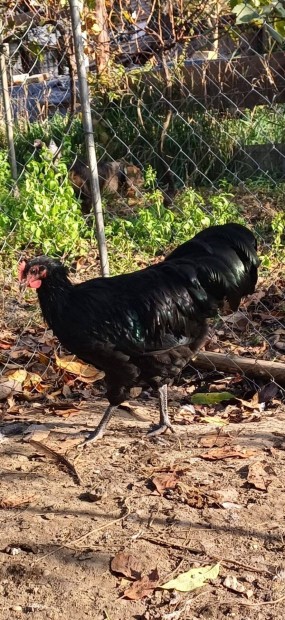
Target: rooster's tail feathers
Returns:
[225, 259]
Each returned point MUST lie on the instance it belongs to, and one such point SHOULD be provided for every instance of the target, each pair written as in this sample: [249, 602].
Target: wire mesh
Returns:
[188, 118]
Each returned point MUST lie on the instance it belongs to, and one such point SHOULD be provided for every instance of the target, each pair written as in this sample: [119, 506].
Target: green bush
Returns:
[46, 215]
[7, 201]
[154, 228]
[65, 133]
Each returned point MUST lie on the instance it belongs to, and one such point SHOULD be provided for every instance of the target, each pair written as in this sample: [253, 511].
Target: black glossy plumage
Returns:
[142, 328]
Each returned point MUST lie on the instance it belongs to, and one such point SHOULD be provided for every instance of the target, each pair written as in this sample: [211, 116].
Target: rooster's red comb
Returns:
[21, 269]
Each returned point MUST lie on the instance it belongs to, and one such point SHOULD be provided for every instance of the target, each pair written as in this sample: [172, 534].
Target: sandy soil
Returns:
[57, 547]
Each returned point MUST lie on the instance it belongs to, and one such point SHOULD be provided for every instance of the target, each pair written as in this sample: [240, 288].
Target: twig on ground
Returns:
[59, 458]
[244, 604]
[169, 543]
[263, 571]
[94, 530]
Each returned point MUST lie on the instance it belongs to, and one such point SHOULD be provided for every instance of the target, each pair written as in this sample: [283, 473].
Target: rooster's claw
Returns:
[159, 430]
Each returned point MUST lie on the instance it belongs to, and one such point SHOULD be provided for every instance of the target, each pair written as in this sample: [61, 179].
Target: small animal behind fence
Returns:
[115, 177]
[121, 177]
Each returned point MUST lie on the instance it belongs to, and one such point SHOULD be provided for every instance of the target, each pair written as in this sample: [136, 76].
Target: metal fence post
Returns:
[88, 131]
[4, 53]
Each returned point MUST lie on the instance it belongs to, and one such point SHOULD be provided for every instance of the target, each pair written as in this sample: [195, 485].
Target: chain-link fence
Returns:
[187, 105]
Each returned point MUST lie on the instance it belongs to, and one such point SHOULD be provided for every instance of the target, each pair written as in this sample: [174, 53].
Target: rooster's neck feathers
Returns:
[54, 294]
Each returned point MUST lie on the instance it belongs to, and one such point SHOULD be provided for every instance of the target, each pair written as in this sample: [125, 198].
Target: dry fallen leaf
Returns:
[19, 375]
[32, 380]
[238, 319]
[8, 387]
[84, 372]
[268, 392]
[166, 481]
[17, 354]
[191, 496]
[19, 380]
[228, 452]
[143, 587]
[126, 564]
[192, 579]
[43, 358]
[253, 403]
[215, 420]
[214, 439]
[254, 298]
[185, 415]
[260, 475]
[38, 432]
[9, 503]
[223, 497]
[236, 414]
[231, 583]
[66, 413]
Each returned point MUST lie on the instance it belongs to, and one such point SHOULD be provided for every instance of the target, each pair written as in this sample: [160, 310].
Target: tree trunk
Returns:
[102, 53]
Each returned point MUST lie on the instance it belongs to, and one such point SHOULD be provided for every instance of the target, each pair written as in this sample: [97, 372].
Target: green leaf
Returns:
[279, 8]
[245, 13]
[211, 398]
[274, 34]
[194, 578]
[212, 419]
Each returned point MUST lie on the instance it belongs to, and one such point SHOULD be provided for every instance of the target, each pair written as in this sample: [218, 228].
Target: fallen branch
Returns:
[58, 458]
[235, 363]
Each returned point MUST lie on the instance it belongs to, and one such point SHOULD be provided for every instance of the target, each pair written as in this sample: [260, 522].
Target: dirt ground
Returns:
[212, 493]
[57, 547]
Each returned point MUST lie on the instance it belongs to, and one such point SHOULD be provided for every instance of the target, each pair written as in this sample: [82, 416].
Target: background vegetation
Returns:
[43, 214]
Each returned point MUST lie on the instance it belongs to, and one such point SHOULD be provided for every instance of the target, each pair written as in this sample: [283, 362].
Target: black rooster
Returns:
[143, 328]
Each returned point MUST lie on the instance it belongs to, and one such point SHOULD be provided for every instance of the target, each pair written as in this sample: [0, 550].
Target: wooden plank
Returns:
[222, 84]
[26, 78]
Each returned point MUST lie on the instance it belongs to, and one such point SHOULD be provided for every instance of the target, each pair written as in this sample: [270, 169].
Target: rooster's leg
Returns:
[100, 429]
[164, 422]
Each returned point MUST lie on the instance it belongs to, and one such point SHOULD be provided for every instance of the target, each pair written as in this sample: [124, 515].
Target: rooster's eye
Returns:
[33, 271]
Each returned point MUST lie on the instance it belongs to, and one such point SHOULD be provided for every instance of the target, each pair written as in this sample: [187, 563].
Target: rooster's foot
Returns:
[159, 430]
[100, 430]
[164, 422]
[91, 438]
